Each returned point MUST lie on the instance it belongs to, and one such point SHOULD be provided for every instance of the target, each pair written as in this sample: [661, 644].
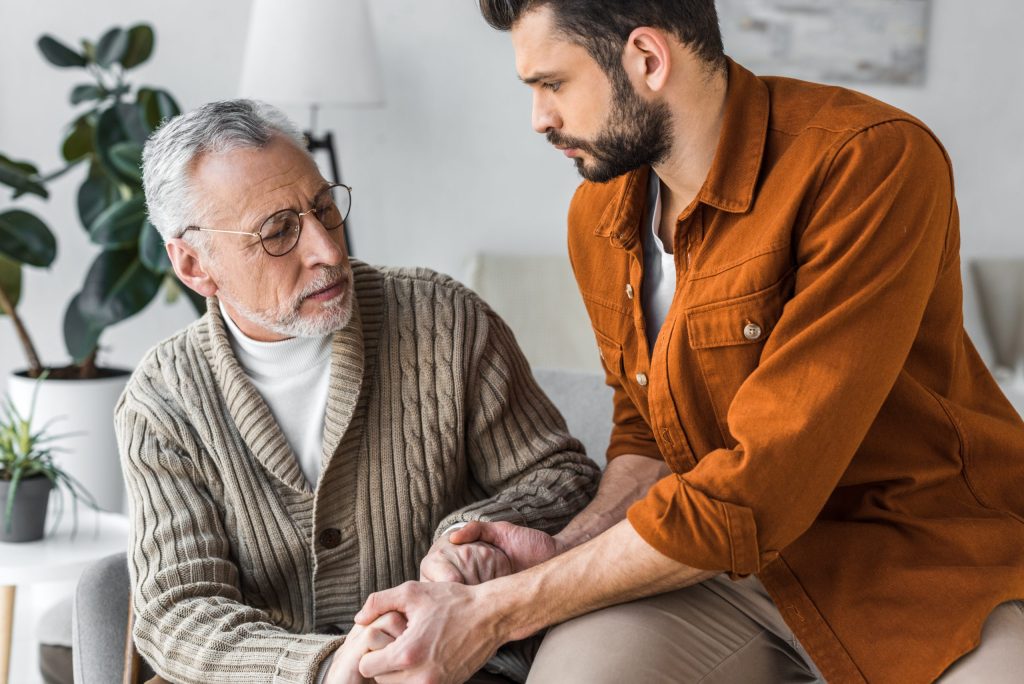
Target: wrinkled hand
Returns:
[467, 563]
[523, 546]
[451, 633]
[361, 640]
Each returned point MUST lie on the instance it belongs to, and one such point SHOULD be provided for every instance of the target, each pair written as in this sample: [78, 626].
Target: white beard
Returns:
[333, 315]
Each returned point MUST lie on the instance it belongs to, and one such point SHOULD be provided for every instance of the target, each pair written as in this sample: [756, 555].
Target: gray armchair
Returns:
[100, 610]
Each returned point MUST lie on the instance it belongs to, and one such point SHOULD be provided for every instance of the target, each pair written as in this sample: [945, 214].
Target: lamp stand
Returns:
[326, 142]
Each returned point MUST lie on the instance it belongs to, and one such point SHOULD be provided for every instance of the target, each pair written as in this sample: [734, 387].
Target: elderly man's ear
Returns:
[189, 266]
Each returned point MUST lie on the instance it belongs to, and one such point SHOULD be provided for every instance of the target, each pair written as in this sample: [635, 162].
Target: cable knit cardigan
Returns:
[240, 571]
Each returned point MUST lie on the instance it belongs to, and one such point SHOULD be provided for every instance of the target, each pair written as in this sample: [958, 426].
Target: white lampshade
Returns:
[311, 52]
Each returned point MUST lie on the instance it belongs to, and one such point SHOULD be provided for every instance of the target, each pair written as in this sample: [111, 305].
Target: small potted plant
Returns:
[28, 473]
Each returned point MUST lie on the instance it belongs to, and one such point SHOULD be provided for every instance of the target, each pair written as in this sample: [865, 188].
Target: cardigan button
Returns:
[629, 291]
[641, 379]
[330, 538]
[752, 331]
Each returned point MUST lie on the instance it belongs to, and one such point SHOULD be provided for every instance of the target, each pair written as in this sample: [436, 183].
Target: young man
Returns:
[820, 479]
[314, 437]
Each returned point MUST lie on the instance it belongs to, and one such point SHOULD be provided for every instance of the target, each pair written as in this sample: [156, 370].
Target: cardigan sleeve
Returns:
[519, 450]
[190, 621]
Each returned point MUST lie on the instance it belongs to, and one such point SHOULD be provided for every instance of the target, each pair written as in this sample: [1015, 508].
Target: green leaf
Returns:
[94, 195]
[27, 168]
[86, 92]
[133, 121]
[140, 46]
[112, 47]
[109, 132]
[17, 175]
[59, 54]
[151, 250]
[10, 279]
[25, 238]
[158, 105]
[120, 224]
[80, 335]
[79, 141]
[127, 159]
[117, 286]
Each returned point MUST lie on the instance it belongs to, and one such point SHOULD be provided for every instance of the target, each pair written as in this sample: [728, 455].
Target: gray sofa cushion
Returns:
[586, 403]
[99, 620]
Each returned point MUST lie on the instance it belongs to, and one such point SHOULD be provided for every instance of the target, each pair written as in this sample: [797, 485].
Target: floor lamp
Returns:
[332, 62]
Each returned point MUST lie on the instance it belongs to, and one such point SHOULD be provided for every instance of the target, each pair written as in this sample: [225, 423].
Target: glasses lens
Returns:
[280, 232]
[332, 206]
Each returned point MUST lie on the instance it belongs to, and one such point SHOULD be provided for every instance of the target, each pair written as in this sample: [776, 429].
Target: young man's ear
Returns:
[188, 265]
[647, 59]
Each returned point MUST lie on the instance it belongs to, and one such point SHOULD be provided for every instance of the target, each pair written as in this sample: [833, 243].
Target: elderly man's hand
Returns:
[362, 640]
[453, 629]
[524, 547]
[467, 563]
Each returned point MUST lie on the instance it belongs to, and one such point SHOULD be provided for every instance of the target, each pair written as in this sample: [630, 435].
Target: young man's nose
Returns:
[544, 116]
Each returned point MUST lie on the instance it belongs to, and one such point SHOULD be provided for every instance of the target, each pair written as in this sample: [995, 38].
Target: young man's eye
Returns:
[553, 87]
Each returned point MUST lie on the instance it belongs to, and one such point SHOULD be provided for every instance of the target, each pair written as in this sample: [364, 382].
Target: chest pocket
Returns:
[728, 338]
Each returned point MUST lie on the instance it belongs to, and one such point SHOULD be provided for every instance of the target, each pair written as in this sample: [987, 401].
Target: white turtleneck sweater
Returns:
[292, 376]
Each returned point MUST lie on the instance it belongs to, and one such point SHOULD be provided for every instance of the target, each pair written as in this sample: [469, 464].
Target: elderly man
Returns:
[303, 444]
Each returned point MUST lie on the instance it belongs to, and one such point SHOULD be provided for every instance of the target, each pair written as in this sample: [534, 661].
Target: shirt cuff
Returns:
[698, 530]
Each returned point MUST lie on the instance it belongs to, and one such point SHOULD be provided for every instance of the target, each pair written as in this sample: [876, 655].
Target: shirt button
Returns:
[330, 538]
[752, 331]
[641, 379]
[629, 291]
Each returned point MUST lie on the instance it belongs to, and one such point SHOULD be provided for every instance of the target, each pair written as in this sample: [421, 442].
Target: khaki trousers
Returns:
[725, 632]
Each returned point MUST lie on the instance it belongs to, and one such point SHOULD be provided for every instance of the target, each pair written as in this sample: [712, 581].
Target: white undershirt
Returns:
[659, 266]
[293, 377]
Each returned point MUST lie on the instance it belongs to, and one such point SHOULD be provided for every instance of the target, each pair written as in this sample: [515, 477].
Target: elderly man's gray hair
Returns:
[213, 128]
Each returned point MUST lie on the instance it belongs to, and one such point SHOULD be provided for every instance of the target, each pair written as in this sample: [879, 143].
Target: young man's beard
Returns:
[637, 133]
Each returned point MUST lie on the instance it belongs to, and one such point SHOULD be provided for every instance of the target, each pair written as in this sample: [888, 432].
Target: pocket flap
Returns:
[743, 320]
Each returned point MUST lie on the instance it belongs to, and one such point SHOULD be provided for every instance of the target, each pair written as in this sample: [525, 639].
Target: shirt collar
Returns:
[732, 180]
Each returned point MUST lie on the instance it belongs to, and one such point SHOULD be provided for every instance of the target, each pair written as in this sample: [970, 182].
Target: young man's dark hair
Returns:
[602, 26]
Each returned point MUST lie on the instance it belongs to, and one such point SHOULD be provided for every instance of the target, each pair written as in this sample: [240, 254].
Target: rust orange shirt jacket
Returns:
[829, 425]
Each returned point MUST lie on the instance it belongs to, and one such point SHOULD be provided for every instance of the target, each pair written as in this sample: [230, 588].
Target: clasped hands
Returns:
[438, 630]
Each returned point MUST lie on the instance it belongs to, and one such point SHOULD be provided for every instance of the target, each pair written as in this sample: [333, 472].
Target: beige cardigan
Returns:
[241, 572]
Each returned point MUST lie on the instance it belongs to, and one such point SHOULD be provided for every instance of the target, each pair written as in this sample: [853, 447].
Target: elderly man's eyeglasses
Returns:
[280, 232]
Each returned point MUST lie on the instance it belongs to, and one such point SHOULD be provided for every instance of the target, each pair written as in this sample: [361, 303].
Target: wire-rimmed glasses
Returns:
[280, 232]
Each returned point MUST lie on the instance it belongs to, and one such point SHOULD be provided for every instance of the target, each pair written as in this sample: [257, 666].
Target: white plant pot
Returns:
[86, 409]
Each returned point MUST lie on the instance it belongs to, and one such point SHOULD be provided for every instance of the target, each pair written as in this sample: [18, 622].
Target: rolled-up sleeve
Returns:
[868, 257]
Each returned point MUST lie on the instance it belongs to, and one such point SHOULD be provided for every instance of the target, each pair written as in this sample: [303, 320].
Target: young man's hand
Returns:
[360, 641]
[466, 563]
[452, 631]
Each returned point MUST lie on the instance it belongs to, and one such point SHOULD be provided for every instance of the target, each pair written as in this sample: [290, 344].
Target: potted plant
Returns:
[28, 472]
[131, 268]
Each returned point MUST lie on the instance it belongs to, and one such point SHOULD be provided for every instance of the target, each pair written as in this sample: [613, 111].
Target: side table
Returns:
[56, 557]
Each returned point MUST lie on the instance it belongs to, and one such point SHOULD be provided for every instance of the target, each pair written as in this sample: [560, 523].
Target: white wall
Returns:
[450, 167]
